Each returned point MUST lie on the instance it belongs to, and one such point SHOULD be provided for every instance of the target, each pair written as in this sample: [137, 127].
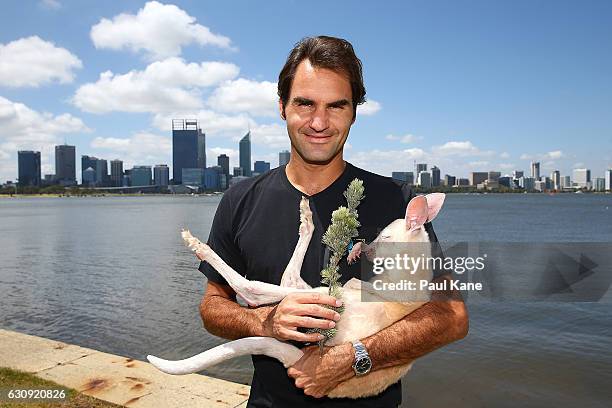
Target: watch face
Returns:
[363, 365]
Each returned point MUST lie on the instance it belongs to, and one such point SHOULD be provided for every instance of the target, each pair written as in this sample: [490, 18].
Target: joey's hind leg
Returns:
[291, 276]
[255, 293]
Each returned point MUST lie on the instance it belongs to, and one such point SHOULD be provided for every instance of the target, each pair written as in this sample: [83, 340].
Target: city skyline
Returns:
[472, 97]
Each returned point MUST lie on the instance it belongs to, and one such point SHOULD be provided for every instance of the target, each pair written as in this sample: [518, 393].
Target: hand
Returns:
[317, 374]
[301, 310]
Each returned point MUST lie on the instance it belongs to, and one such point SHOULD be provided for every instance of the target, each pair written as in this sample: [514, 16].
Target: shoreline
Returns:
[112, 378]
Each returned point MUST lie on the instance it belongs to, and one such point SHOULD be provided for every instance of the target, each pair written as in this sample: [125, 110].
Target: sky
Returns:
[464, 85]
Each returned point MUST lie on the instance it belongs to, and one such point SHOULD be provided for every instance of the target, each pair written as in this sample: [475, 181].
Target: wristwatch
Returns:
[362, 364]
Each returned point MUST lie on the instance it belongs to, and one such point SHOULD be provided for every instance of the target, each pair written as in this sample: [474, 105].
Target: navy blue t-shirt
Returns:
[255, 231]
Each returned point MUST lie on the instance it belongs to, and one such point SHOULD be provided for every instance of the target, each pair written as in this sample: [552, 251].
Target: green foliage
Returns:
[344, 226]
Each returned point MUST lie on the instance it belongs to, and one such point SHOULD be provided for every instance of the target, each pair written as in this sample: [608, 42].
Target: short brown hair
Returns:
[331, 53]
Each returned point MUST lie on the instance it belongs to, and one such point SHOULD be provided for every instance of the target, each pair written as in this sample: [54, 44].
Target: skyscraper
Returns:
[535, 170]
[435, 176]
[582, 178]
[477, 177]
[102, 172]
[65, 165]
[608, 178]
[86, 163]
[28, 164]
[116, 176]
[283, 157]
[188, 147]
[161, 175]
[141, 176]
[223, 161]
[260, 167]
[556, 179]
[245, 154]
[421, 167]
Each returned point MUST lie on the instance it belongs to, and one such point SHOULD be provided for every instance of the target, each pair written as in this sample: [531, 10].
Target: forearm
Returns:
[435, 324]
[225, 318]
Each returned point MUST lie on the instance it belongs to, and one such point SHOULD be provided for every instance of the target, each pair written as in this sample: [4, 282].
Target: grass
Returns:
[10, 378]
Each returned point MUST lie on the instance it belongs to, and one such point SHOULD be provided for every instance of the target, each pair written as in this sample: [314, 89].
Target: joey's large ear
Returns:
[416, 213]
[434, 203]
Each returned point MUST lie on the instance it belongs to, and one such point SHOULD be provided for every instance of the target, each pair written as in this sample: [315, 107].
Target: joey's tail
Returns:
[283, 352]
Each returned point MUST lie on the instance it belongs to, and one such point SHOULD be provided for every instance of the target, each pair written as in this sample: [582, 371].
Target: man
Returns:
[255, 231]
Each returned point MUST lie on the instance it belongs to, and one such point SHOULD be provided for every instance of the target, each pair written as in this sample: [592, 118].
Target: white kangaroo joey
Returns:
[359, 320]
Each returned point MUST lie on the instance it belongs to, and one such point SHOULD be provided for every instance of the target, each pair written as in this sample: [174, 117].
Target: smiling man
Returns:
[255, 231]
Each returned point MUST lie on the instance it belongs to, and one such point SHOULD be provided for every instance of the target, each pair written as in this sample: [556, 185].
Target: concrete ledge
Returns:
[116, 379]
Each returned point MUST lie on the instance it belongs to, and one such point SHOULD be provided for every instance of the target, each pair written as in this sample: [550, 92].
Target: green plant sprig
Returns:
[343, 228]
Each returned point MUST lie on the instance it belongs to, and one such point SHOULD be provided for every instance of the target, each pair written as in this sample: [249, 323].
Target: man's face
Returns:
[319, 113]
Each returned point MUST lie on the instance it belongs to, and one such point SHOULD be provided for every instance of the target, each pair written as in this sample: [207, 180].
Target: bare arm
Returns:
[223, 317]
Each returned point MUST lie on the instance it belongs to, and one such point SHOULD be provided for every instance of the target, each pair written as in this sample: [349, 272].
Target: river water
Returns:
[111, 273]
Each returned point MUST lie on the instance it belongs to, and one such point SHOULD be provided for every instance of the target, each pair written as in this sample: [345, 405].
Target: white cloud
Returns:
[504, 155]
[506, 166]
[370, 107]
[31, 62]
[556, 154]
[478, 163]
[50, 4]
[273, 136]
[552, 155]
[243, 95]
[22, 128]
[161, 30]
[463, 148]
[142, 148]
[407, 138]
[163, 86]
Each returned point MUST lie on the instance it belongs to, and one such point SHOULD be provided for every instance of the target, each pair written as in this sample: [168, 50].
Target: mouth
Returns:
[317, 138]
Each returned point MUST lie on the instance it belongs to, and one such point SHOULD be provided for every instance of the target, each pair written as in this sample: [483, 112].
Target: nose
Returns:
[320, 120]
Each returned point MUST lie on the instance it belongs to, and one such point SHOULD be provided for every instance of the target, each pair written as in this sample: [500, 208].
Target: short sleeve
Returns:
[222, 240]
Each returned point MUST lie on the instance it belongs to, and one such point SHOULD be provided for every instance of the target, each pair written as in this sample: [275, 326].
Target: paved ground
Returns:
[114, 378]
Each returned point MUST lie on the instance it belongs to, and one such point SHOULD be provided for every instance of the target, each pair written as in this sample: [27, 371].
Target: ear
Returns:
[434, 203]
[281, 109]
[416, 213]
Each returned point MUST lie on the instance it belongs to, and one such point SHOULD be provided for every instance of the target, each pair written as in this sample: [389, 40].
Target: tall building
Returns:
[65, 165]
[566, 182]
[424, 179]
[599, 184]
[212, 179]
[116, 176]
[245, 154]
[493, 176]
[28, 164]
[188, 147]
[449, 180]
[420, 167]
[141, 176]
[260, 167]
[193, 177]
[401, 176]
[283, 157]
[608, 179]
[161, 175]
[435, 176]
[535, 170]
[582, 178]
[517, 174]
[556, 180]
[86, 163]
[238, 172]
[477, 177]
[102, 172]
[223, 161]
